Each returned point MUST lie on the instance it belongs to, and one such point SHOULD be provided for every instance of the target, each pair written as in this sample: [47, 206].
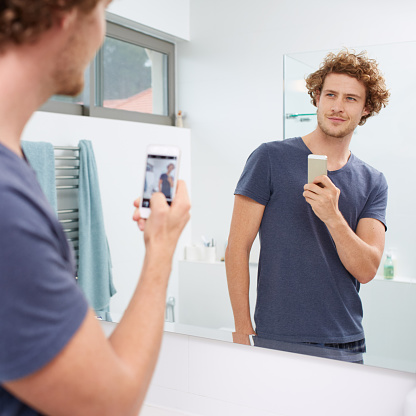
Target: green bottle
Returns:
[388, 267]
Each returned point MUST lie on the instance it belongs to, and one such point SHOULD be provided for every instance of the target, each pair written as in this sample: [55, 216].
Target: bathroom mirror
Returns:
[198, 301]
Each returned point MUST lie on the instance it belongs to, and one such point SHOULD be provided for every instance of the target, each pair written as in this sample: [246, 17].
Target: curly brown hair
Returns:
[358, 66]
[22, 21]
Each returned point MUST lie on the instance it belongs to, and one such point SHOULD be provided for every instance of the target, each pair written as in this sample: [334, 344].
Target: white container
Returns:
[200, 253]
[209, 254]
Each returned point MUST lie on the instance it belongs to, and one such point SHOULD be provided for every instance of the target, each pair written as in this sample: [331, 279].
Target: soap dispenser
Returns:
[388, 267]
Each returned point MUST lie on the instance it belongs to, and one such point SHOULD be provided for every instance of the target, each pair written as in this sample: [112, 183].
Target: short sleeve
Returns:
[41, 306]
[255, 179]
[376, 204]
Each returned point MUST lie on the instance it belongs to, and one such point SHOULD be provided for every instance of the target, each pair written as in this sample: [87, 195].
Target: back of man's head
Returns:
[22, 21]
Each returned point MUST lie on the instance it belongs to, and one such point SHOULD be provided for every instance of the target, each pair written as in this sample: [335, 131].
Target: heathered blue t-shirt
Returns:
[41, 306]
[304, 293]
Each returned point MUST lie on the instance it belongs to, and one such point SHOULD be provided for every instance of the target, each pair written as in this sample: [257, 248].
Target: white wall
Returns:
[167, 16]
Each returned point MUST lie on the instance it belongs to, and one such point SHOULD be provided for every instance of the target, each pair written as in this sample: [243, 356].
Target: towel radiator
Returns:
[67, 184]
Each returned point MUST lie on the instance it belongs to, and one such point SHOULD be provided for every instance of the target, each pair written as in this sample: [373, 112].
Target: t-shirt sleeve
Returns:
[41, 306]
[255, 179]
[377, 202]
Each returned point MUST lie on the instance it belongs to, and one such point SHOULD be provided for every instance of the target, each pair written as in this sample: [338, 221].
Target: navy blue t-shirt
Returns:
[41, 306]
[304, 293]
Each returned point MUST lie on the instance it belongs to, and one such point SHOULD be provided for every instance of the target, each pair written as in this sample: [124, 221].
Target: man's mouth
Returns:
[337, 119]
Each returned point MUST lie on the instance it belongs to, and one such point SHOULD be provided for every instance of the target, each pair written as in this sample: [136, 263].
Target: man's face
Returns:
[87, 37]
[341, 104]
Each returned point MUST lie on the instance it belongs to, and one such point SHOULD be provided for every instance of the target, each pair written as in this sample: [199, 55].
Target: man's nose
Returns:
[337, 105]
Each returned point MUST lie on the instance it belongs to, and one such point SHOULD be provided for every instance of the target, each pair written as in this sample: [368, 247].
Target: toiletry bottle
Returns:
[388, 267]
[179, 119]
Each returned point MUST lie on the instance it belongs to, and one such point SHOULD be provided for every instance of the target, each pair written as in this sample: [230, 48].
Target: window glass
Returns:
[79, 99]
[133, 78]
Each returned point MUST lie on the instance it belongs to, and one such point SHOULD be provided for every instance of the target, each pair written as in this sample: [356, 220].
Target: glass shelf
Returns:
[299, 115]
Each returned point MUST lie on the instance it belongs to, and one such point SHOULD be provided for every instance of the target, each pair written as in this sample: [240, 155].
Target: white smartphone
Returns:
[161, 174]
[317, 166]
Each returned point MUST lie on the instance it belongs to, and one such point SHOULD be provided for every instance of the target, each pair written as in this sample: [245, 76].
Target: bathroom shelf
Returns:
[397, 279]
[251, 263]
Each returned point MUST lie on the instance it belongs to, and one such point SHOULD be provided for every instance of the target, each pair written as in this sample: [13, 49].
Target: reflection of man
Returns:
[166, 181]
[54, 357]
[321, 240]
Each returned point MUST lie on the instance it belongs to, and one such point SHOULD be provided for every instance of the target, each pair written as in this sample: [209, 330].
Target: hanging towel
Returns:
[94, 266]
[42, 159]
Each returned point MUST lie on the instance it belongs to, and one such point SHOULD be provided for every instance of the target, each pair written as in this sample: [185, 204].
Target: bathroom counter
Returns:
[397, 279]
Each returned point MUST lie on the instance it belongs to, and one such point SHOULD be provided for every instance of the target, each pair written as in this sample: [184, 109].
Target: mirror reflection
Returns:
[201, 303]
[320, 213]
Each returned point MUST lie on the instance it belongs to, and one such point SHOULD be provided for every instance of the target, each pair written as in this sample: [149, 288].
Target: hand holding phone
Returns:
[161, 175]
[317, 166]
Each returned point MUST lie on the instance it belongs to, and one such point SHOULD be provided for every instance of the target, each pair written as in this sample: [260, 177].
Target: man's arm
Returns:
[94, 375]
[360, 252]
[245, 223]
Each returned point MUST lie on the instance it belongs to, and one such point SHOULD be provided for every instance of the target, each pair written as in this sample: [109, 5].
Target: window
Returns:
[131, 78]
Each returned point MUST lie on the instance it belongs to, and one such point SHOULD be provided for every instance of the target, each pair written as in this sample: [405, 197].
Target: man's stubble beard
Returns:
[337, 134]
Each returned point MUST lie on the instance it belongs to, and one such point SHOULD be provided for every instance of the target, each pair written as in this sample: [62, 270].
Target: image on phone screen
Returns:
[160, 177]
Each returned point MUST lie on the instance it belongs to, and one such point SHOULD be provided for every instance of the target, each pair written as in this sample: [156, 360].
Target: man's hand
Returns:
[323, 196]
[165, 223]
[240, 338]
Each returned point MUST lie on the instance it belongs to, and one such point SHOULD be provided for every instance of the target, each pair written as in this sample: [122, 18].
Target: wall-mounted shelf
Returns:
[397, 279]
[296, 115]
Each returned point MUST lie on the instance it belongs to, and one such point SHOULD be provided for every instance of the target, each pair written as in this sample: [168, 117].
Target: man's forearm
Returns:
[358, 257]
[360, 251]
[238, 279]
[93, 375]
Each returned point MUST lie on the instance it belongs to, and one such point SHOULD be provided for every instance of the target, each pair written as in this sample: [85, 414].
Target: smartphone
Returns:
[317, 165]
[161, 174]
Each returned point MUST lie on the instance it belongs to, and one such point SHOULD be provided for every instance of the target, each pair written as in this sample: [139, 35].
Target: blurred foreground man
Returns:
[54, 357]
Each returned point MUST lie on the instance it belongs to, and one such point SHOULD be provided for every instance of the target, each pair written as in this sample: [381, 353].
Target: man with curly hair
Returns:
[320, 240]
[54, 356]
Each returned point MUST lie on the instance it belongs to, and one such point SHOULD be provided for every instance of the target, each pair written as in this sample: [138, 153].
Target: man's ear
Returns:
[366, 111]
[65, 19]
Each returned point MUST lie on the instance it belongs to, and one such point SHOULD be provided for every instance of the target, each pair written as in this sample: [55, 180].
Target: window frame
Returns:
[126, 31]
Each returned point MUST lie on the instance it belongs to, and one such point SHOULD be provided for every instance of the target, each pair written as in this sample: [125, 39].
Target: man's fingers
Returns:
[181, 198]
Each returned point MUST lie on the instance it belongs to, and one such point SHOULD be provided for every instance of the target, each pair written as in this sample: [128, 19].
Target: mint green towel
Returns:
[94, 265]
[41, 157]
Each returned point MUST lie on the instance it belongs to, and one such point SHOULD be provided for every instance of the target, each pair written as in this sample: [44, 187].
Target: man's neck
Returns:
[336, 149]
[21, 83]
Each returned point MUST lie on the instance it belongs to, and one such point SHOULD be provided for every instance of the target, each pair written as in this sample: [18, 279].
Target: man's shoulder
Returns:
[293, 142]
[367, 170]
[275, 147]
[20, 204]
[16, 205]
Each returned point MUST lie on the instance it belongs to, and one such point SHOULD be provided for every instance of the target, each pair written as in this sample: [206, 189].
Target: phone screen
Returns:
[160, 176]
